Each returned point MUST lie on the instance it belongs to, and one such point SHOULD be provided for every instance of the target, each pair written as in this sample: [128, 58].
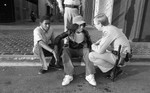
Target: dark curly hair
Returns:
[72, 28]
[46, 17]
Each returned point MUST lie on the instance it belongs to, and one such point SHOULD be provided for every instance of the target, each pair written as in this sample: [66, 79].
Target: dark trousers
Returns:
[68, 53]
[49, 54]
[59, 53]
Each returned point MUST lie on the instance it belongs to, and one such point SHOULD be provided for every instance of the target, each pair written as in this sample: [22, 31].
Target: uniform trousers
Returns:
[68, 16]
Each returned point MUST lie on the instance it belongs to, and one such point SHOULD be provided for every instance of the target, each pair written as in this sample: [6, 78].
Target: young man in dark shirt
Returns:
[79, 45]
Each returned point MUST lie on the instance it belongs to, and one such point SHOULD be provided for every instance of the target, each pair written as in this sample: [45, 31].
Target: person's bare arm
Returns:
[50, 3]
[46, 47]
[60, 6]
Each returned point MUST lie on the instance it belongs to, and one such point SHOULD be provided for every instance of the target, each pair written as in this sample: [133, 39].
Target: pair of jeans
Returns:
[68, 53]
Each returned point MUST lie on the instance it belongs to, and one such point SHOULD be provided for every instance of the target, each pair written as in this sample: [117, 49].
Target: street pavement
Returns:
[135, 79]
[19, 67]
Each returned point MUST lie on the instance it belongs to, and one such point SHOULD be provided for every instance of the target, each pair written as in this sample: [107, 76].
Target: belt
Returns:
[127, 57]
[71, 6]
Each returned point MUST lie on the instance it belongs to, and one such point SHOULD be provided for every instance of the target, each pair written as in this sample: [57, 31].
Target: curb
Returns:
[32, 60]
[36, 64]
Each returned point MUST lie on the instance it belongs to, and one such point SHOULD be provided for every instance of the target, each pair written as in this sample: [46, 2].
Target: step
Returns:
[28, 60]
[32, 60]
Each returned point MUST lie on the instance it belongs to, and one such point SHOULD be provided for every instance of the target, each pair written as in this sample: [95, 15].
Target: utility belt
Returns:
[126, 56]
[71, 6]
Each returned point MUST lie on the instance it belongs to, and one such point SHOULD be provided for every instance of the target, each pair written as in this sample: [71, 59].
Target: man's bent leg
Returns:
[68, 66]
[90, 69]
[104, 61]
[42, 59]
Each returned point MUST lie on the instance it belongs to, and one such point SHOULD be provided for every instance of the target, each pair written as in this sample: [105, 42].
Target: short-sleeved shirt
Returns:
[114, 37]
[40, 34]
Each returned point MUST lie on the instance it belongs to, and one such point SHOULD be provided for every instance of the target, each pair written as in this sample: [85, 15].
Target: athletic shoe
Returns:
[90, 78]
[67, 79]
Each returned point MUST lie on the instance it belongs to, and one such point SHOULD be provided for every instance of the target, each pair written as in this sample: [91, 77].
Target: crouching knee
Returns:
[91, 56]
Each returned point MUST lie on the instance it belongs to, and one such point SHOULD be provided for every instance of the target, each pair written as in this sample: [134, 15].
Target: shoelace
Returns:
[91, 77]
[65, 78]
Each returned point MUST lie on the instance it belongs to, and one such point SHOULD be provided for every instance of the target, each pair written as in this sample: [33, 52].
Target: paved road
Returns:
[136, 79]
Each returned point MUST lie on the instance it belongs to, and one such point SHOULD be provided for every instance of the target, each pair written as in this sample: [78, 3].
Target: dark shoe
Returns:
[58, 67]
[115, 74]
[42, 71]
[122, 63]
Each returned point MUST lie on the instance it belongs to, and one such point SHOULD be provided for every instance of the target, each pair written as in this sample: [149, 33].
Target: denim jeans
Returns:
[68, 53]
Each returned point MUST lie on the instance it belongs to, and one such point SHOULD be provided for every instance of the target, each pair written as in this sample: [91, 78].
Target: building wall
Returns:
[88, 11]
[119, 9]
[23, 8]
[145, 25]
[127, 14]
[41, 7]
[44, 8]
[104, 6]
[7, 11]
[133, 18]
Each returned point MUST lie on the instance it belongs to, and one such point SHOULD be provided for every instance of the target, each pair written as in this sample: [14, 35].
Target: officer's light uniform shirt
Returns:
[40, 34]
[114, 37]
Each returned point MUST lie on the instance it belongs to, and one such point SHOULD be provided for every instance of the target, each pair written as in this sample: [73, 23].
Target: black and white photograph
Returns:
[74, 46]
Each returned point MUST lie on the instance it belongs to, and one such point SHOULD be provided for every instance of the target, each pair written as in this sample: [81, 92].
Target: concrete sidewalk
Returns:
[16, 42]
[135, 79]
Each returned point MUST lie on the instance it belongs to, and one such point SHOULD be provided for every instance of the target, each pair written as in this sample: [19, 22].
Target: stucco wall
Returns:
[42, 7]
[22, 9]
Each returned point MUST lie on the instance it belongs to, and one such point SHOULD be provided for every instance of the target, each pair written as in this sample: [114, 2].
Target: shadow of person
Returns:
[133, 71]
[128, 71]
[129, 18]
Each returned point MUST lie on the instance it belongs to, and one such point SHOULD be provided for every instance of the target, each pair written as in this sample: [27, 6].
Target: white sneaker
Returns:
[90, 78]
[67, 79]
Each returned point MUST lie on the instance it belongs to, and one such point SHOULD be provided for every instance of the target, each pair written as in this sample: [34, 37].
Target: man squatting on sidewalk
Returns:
[102, 53]
[79, 45]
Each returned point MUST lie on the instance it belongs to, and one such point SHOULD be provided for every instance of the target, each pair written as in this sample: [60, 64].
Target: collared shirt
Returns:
[112, 36]
[40, 34]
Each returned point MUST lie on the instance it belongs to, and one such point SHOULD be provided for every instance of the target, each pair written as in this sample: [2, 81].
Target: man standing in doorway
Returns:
[70, 9]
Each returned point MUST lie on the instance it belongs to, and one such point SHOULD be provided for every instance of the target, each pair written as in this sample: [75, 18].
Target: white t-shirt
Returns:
[40, 34]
